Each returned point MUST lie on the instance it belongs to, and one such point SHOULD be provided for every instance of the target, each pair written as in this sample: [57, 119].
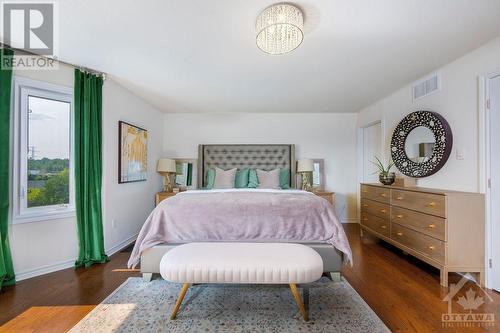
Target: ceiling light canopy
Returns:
[279, 29]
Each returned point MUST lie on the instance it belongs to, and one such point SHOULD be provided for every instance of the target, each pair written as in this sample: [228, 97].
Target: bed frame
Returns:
[253, 156]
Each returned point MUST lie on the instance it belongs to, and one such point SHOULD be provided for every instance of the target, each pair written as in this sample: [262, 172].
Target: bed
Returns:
[242, 215]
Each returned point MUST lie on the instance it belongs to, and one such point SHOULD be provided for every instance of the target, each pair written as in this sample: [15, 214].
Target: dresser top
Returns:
[421, 189]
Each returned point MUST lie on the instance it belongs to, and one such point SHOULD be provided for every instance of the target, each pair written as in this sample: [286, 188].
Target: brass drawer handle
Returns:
[399, 216]
[399, 234]
[365, 205]
[365, 219]
[365, 191]
[383, 211]
[399, 198]
[432, 247]
[432, 226]
[383, 226]
[432, 204]
[383, 195]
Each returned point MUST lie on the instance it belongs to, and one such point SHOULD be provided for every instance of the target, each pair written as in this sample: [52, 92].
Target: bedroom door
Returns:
[494, 197]
[371, 147]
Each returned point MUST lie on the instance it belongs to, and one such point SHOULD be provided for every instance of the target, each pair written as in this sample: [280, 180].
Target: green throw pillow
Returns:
[285, 179]
[210, 179]
[253, 181]
[241, 179]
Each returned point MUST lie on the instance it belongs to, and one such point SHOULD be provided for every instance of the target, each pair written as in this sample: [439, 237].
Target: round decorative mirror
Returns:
[421, 144]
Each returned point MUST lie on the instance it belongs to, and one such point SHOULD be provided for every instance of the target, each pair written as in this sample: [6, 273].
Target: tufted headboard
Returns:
[259, 156]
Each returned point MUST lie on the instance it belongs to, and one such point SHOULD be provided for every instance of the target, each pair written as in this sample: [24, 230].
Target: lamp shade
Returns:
[166, 165]
[305, 165]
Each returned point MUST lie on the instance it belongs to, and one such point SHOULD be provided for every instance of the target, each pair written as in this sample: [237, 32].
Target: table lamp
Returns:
[166, 167]
[305, 166]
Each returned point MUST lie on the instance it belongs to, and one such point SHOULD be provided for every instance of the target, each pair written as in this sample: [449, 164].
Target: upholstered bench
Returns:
[243, 263]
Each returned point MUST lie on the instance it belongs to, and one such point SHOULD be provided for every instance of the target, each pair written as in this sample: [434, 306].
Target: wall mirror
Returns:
[421, 144]
[318, 174]
[185, 176]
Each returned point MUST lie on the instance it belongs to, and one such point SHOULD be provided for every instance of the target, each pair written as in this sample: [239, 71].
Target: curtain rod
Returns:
[82, 68]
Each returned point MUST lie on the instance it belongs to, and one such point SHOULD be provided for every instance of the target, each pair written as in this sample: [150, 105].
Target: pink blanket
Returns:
[249, 215]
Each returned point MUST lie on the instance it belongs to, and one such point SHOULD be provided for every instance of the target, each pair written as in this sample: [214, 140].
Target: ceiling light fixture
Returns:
[279, 29]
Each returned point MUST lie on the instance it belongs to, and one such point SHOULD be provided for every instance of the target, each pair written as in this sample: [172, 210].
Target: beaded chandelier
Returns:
[279, 29]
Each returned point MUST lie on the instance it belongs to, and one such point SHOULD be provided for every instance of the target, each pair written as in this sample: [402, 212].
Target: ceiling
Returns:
[200, 55]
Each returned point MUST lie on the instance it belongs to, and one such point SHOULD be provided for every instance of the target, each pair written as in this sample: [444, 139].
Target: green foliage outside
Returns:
[54, 192]
[48, 165]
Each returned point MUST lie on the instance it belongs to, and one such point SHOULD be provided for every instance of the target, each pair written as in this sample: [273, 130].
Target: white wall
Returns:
[44, 246]
[458, 102]
[328, 136]
[128, 205]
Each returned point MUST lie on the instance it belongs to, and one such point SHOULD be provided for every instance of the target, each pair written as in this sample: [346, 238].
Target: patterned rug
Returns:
[138, 306]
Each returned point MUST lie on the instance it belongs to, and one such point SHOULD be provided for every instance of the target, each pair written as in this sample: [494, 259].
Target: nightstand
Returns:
[160, 196]
[330, 196]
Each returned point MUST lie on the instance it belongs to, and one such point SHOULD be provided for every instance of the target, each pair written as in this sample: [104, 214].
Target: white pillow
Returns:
[224, 178]
[269, 179]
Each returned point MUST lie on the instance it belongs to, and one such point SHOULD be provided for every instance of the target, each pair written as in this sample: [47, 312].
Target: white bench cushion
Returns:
[241, 263]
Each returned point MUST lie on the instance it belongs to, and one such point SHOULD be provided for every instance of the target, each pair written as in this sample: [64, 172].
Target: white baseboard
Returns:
[23, 275]
[123, 244]
[350, 220]
[44, 269]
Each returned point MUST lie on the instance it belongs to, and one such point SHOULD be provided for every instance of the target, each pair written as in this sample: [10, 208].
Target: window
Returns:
[43, 163]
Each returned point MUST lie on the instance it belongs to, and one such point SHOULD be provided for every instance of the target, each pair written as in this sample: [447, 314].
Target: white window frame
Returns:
[23, 88]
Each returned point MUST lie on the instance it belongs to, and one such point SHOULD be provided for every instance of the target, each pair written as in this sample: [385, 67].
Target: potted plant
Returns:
[385, 175]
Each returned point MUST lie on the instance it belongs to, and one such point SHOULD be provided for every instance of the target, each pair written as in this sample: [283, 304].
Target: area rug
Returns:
[138, 306]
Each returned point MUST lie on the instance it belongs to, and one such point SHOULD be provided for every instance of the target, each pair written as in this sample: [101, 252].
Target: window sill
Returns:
[44, 216]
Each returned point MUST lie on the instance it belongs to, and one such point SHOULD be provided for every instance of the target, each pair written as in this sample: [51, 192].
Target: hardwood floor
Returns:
[55, 302]
[404, 292]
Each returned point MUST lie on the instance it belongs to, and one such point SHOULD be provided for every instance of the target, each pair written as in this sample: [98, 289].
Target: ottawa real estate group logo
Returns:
[32, 29]
[469, 304]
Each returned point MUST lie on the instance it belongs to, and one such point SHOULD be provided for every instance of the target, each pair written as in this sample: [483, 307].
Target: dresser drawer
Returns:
[423, 202]
[376, 208]
[376, 193]
[428, 224]
[419, 242]
[376, 224]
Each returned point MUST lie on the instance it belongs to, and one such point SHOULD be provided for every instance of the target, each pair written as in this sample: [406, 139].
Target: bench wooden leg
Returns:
[335, 276]
[184, 289]
[298, 300]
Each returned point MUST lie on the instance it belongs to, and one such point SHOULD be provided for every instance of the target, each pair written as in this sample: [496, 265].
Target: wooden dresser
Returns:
[443, 228]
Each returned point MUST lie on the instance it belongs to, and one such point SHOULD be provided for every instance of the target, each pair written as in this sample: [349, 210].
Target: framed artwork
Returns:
[132, 153]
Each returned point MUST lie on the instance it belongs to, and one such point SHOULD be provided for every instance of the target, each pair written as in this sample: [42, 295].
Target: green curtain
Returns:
[6, 268]
[88, 168]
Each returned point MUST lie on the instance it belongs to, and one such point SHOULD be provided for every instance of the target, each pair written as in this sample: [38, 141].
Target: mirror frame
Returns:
[442, 147]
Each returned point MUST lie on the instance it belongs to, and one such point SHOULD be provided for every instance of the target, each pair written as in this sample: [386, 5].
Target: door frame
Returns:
[484, 167]
[360, 154]
[360, 146]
